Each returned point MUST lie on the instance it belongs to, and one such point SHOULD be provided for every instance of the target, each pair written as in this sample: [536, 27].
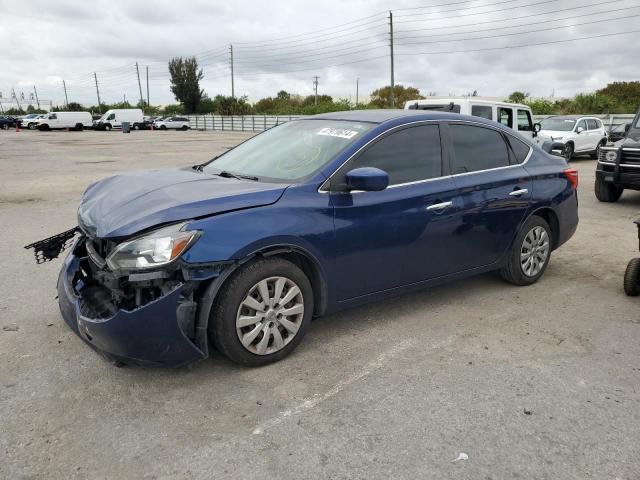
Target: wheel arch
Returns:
[551, 217]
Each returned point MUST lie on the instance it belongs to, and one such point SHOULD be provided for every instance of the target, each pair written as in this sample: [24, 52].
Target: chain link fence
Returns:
[258, 123]
[238, 123]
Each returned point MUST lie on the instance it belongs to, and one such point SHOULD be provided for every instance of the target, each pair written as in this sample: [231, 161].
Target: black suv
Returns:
[7, 122]
[619, 165]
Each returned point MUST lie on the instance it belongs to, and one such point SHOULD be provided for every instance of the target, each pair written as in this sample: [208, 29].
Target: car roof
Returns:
[384, 115]
[572, 117]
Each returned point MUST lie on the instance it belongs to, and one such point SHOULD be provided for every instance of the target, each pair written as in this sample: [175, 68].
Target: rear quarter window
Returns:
[519, 148]
[483, 111]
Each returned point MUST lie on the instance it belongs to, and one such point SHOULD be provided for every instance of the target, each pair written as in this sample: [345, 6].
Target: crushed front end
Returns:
[136, 317]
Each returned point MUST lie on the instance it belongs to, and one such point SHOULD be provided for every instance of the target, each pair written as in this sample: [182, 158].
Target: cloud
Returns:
[283, 44]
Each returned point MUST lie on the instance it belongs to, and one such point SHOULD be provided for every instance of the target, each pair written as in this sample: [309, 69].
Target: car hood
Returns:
[629, 142]
[122, 205]
[554, 133]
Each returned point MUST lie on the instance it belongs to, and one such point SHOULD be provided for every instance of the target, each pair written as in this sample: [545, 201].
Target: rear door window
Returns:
[408, 155]
[525, 124]
[477, 148]
[592, 124]
[505, 116]
[483, 111]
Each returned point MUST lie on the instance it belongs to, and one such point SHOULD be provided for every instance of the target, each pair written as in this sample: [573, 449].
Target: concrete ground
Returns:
[539, 382]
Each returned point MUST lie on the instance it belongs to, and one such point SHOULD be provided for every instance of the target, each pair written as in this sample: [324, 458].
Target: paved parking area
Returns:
[536, 382]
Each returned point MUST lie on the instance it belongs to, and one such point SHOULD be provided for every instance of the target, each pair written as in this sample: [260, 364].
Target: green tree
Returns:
[626, 95]
[382, 96]
[518, 97]
[185, 82]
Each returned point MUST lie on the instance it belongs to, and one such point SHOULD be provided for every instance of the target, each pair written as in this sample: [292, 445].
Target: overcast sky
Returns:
[282, 44]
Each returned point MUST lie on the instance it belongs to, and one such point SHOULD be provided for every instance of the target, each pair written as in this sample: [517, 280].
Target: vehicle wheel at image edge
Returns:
[568, 152]
[262, 312]
[607, 192]
[530, 254]
[632, 278]
[596, 154]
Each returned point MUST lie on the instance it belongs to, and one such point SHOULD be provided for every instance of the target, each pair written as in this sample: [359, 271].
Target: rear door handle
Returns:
[517, 193]
[439, 206]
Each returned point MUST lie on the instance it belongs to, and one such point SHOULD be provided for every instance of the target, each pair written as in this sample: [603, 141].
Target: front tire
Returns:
[632, 278]
[530, 253]
[107, 127]
[262, 312]
[163, 127]
[568, 151]
[607, 192]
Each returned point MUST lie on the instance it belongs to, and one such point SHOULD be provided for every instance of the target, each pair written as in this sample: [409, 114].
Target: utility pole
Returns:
[357, 89]
[66, 99]
[16, 98]
[148, 103]
[140, 87]
[392, 95]
[233, 92]
[98, 92]
[315, 89]
[36, 93]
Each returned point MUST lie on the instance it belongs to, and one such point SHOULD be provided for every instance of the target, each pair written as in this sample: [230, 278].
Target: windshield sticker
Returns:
[337, 132]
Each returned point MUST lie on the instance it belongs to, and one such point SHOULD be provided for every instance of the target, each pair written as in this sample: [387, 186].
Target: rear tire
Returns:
[163, 127]
[607, 192]
[632, 278]
[596, 154]
[79, 127]
[230, 307]
[184, 128]
[534, 242]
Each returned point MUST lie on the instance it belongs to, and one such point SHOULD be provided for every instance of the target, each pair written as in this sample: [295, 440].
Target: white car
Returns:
[580, 135]
[176, 123]
[30, 121]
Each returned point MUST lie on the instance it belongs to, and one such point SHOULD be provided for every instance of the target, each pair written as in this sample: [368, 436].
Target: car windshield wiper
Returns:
[237, 176]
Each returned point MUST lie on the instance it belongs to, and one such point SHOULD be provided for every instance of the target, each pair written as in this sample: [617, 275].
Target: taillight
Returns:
[572, 176]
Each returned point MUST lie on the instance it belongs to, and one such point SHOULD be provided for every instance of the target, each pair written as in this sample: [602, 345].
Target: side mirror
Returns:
[627, 127]
[537, 127]
[552, 147]
[579, 130]
[367, 179]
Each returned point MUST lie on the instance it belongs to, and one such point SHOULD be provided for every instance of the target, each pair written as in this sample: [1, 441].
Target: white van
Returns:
[513, 115]
[56, 120]
[114, 118]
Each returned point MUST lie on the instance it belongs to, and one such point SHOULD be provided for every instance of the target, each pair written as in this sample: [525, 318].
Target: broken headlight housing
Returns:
[155, 249]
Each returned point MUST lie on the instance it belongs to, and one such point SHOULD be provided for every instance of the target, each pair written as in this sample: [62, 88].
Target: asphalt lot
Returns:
[537, 382]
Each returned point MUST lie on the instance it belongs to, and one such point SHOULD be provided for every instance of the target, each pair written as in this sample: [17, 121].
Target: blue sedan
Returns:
[305, 219]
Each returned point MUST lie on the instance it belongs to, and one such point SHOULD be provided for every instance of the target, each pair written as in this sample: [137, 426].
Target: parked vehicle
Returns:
[619, 165]
[7, 122]
[632, 273]
[114, 118]
[59, 120]
[30, 121]
[513, 115]
[618, 132]
[580, 135]
[169, 123]
[307, 218]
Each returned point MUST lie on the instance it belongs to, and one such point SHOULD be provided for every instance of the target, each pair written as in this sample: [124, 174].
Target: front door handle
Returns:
[518, 193]
[439, 206]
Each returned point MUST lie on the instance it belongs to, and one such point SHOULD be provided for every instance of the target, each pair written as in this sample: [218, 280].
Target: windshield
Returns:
[558, 124]
[291, 151]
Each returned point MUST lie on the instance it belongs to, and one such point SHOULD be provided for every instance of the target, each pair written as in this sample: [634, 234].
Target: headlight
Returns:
[155, 249]
[556, 138]
[611, 156]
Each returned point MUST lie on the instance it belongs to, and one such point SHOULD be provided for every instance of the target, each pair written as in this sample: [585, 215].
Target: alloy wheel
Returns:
[270, 315]
[534, 251]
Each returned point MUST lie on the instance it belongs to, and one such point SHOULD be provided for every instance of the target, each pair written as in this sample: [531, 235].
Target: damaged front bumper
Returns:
[163, 331]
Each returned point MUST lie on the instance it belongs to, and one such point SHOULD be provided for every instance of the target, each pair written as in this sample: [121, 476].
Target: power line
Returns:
[523, 32]
[589, 37]
[492, 29]
[413, 15]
